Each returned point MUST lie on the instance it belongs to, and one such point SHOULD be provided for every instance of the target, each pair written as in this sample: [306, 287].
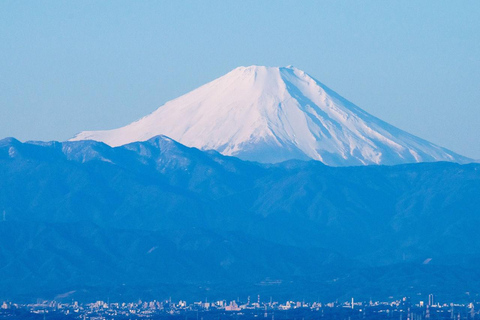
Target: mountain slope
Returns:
[121, 221]
[270, 114]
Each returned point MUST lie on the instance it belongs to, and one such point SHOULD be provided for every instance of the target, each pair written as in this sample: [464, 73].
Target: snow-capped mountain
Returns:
[271, 114]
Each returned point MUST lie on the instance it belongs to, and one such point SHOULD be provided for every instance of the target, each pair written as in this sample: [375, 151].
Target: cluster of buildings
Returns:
[401, 309]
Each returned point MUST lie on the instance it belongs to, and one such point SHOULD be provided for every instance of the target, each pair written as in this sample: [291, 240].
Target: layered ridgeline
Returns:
[156, 219]
[270, 114]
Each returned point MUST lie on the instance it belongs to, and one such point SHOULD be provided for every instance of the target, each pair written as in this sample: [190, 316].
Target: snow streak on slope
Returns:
[271, 114]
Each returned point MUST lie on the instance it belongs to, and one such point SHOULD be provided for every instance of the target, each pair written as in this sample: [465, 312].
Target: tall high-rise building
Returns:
[430, 299]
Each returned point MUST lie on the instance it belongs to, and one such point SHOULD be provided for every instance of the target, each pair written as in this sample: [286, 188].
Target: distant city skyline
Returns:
[67, 67]
[236, 309]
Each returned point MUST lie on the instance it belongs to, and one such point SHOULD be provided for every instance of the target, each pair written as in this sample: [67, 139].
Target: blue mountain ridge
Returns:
[156, 219]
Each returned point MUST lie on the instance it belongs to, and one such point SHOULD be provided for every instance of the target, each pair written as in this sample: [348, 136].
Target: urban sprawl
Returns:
[402, 309]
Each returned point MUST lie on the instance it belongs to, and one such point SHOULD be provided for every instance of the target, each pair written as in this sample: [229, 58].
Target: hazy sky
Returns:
[69, 66]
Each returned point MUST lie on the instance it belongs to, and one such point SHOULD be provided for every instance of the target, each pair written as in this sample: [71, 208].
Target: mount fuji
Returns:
[272, 114]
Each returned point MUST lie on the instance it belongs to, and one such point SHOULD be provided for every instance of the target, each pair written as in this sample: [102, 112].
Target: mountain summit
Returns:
[271, 114]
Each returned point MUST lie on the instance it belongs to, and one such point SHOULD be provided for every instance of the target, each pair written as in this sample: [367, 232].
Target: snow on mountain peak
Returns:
[273, 114]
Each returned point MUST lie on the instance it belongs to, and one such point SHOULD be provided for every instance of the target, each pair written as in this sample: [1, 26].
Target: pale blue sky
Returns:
[70, 66]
